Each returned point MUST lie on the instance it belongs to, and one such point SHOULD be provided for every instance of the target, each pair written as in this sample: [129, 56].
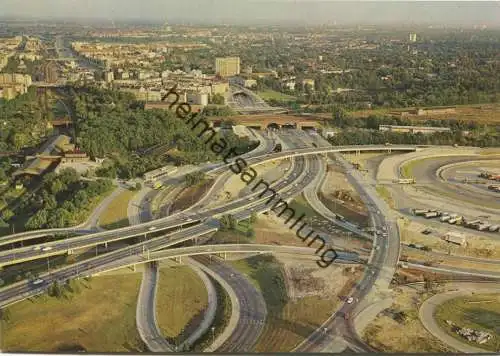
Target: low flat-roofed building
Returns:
[413, 129]
[163, 105]
[158, 173]
[455, 238]
[73, 157]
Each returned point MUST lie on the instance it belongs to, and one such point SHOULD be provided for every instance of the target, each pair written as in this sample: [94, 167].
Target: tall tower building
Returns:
[412, 37]
[50, 73]
[227, 66]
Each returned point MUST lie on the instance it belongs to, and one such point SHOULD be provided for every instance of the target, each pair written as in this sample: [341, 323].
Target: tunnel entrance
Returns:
[273, 126]
[289, 126]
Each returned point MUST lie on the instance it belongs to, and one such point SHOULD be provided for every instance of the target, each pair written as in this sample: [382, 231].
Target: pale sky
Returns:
[260, 11]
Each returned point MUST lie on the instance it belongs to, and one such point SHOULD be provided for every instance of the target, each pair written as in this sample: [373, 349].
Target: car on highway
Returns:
[154, 227]
[38, 281]
[350, 300]
[37, 248]
[48, 248]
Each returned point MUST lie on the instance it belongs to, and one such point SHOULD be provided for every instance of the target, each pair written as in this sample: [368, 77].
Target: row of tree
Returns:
[112, 124]
[61, 200]
[355, 136]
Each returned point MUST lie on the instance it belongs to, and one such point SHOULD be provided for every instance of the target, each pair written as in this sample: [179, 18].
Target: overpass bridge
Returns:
[275, 120]
[222, 250]
[58, 84]
[246, 101]
[181, 219]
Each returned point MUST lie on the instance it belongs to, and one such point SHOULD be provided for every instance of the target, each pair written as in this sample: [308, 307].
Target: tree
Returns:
[7, 214]
[228, 222]
[217, 99]
[56, 290]
[194, 178]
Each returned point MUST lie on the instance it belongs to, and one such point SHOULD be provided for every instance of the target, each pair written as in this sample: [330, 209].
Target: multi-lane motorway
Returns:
[159, 234]
[178, 220]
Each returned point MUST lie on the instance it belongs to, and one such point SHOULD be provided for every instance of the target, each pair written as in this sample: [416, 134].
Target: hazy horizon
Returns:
[247, 12]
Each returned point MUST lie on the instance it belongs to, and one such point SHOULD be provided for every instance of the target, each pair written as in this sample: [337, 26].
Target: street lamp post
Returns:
[213, 334]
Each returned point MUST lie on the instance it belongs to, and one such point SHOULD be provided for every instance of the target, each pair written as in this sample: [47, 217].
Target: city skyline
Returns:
[255, 12]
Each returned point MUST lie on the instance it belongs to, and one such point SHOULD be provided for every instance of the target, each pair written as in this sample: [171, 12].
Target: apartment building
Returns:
[227, 66]
[414, 129]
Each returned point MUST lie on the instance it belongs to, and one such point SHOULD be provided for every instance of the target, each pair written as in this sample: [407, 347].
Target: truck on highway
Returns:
[455, 220]
[473, 224]
[445, 218]
[483, 227]
[420, 212]
[406, 181]
[431, 214]
[494, 228]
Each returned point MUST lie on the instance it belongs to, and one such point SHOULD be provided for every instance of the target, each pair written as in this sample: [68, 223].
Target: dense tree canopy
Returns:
[112, 124]
[62, 200]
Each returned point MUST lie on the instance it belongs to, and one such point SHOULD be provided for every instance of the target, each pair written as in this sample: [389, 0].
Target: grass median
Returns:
[478, 312]
[180, 303]
[100, 318]
[115, 215]
[288, 322]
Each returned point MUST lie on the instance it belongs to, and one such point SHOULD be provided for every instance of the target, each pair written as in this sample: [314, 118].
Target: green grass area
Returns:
[342, 209]
[100, 318]
[222, 317]
[406, 170]
[243, 233]
[478, 312]
[300, 205]
[159, 199]
[115, 215]
[288, 322]
[275, 95]
[385, 194]
[180, 302]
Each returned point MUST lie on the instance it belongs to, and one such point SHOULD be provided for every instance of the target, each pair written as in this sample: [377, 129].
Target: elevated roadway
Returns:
[179, 220]
[174, 221]
[25, 289]
[340, 330]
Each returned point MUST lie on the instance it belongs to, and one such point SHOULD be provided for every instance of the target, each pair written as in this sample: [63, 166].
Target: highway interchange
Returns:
[155, 239]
